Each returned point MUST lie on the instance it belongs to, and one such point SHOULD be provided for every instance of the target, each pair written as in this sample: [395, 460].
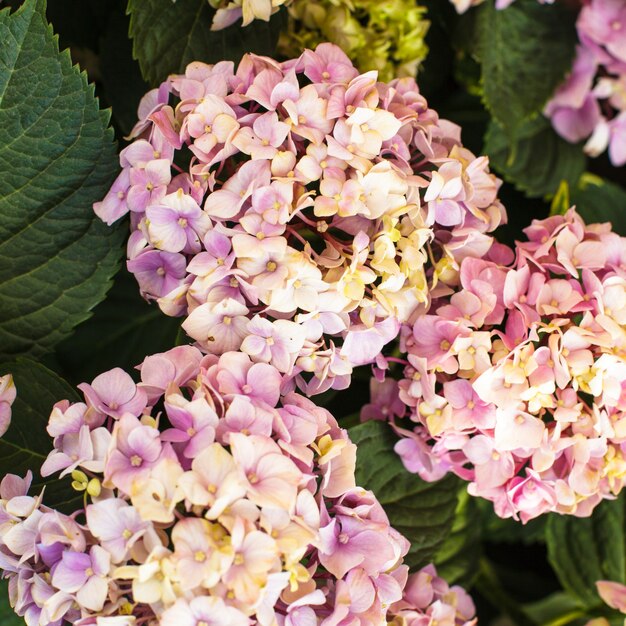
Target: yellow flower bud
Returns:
[94, 488]
[79, 476]
[79, 480]
[148, 420]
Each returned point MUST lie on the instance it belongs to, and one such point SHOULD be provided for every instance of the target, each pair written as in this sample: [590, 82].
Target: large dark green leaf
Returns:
[423, 512]
[122, 332]
[556, 609]
[536, 160]
[26, 443]
[57, 157]
[585, 550]
[167, 36]
[525, 51]
[458, 558]
[599, 200]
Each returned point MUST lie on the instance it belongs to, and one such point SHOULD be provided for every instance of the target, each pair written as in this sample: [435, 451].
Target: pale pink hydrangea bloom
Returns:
[516, 381]
[260, 524]
[316, 211]
[591, 103]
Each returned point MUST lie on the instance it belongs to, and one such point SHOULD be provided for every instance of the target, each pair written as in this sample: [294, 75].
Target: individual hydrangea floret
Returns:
[387, 36]
[614, 595]
[298, 211]
[7, 397]
[516, 381]
[207, 494]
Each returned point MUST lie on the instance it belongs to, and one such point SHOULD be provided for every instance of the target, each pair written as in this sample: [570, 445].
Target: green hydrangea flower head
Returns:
[383, 35]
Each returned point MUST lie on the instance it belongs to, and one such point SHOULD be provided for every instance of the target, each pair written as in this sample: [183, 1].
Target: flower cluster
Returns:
[517, 380]
[387, 36]
[297, 211]
[463, 5]
[428, 600]
[591, 104]
[7, 397]
[209, 498]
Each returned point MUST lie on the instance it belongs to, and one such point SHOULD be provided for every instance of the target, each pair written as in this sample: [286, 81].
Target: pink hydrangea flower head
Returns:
[520, 391]
[590, 104]
[189, 520]
[602, 25]
[319, 211]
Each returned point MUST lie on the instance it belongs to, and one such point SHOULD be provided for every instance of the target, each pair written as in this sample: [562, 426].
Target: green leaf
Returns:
[525, 51]
[536, 160]
[7, 616]
[492, 585]
[458, 559]
[423, 512]
[122, 332]
[556, 609]
[584, 550]
[167, 36]
[26, 443]
[57, 157]
[598, 200]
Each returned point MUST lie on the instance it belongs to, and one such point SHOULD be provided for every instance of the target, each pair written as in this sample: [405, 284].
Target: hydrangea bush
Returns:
[351, 296]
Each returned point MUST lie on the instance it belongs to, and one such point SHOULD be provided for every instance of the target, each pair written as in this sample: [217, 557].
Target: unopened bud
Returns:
[94, 488]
